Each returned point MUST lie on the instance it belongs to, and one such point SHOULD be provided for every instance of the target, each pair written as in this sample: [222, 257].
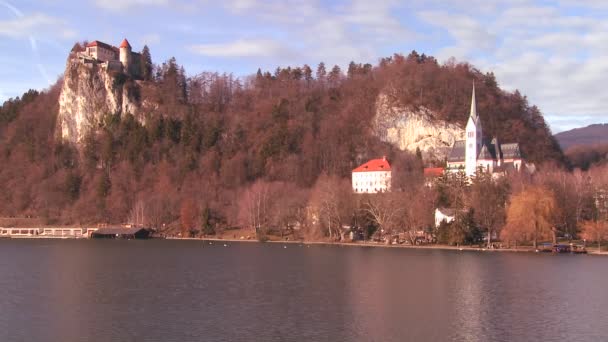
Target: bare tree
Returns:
[188, 217]
[330, 206]
[386, 209]
[595, 231]
[419, 203]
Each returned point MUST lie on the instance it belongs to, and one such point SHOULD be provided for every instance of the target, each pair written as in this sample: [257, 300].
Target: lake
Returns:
[161, 290]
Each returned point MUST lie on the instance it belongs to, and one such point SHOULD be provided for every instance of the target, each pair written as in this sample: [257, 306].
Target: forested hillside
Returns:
[589, 135]
[212, 138]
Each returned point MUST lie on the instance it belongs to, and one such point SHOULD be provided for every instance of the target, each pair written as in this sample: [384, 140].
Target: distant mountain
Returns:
[590, 135]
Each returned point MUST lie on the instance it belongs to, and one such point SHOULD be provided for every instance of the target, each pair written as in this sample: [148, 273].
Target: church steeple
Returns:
[473, 105]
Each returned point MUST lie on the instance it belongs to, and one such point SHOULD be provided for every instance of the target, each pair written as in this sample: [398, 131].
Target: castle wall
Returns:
[101, 53]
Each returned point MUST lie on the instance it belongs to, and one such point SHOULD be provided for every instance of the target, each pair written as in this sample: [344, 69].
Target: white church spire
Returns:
[473, 104]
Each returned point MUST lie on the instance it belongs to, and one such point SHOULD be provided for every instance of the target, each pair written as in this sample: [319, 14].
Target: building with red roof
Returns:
[121, 58]
[433, 172]
[372, 177]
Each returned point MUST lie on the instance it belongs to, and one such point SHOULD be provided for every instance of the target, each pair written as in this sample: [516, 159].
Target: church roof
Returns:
[458, 152]
[485, 154]
[374, 165]
[488, 151]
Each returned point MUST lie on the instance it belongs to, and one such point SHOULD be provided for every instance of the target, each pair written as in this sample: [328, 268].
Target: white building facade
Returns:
[372, 177]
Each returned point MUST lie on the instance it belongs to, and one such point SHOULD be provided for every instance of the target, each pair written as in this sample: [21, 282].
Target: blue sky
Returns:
[555, 52]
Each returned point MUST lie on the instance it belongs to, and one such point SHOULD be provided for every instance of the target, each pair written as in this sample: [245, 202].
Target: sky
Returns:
[554, 52]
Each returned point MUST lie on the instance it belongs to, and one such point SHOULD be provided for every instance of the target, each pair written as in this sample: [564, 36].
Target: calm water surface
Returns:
[191, 291]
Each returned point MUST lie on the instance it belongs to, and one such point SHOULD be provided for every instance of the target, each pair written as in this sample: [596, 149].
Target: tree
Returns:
[206, 225]
[386, 209]
[187, 217]
[418, 214]
[334, 77]
[489, 198]
[595, 231]
[330, 207]
[307, 74]
[255, 206]
[146, 63]
[321, 73]
[529, 216]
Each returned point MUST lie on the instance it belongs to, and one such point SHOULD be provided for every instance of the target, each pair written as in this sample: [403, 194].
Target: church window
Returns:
[471, 134]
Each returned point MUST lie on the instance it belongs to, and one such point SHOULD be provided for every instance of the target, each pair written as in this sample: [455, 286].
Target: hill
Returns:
[154, 149]
[590, 135]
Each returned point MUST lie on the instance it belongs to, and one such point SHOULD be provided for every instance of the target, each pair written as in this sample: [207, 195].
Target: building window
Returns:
[471, 134]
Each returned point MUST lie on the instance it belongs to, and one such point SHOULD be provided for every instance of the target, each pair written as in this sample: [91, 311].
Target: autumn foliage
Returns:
[224, 152]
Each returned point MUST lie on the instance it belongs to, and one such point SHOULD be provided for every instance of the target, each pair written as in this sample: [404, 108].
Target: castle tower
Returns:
[125, 55]
[473, 138]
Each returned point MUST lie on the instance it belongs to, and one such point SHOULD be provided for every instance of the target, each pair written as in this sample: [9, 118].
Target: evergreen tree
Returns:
[146, 63]
[335, 75]
[321, 72]
[352, 69]
[182, 85]
[307, 74]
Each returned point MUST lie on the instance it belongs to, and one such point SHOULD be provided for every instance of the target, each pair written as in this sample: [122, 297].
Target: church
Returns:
[476, 153]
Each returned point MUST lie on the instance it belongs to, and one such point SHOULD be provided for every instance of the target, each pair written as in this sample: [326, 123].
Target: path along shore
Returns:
[373, 244]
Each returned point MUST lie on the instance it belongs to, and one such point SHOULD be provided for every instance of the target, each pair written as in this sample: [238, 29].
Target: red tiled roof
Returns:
[125, 43]
[374, 165]
[433, 171]
[100, 44]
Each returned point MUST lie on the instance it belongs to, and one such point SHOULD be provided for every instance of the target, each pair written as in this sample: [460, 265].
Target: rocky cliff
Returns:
[90, 92]
[415, 129]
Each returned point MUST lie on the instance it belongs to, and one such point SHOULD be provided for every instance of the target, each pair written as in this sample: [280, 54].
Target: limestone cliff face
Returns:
[410, 130]
[89, 93]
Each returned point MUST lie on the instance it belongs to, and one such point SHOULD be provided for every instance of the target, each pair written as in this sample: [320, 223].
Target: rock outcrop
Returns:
[89, 93]
[415, 129]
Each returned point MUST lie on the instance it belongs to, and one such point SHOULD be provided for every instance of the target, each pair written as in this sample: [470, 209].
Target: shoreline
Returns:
[378, 245]
[592, 251]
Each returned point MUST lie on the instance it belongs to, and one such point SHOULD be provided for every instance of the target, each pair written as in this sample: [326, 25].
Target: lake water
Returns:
[62, 290]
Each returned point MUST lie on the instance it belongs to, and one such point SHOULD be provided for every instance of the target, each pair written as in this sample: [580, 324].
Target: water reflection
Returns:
[163, 290]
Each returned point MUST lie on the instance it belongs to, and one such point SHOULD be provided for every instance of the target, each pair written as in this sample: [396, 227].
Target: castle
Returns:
[474, 153]
[121, 59]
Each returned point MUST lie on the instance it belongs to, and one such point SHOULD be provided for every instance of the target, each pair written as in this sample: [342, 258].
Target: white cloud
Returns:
[120, 5]
[242, 48]
[315, 31]
[557, 58]
[35, 24]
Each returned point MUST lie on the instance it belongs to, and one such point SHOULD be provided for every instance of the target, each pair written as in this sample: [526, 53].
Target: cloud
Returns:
[318, 31]
[557, 57]
[151, 39]
[35, 24]
[242, 48]
[121, 5]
